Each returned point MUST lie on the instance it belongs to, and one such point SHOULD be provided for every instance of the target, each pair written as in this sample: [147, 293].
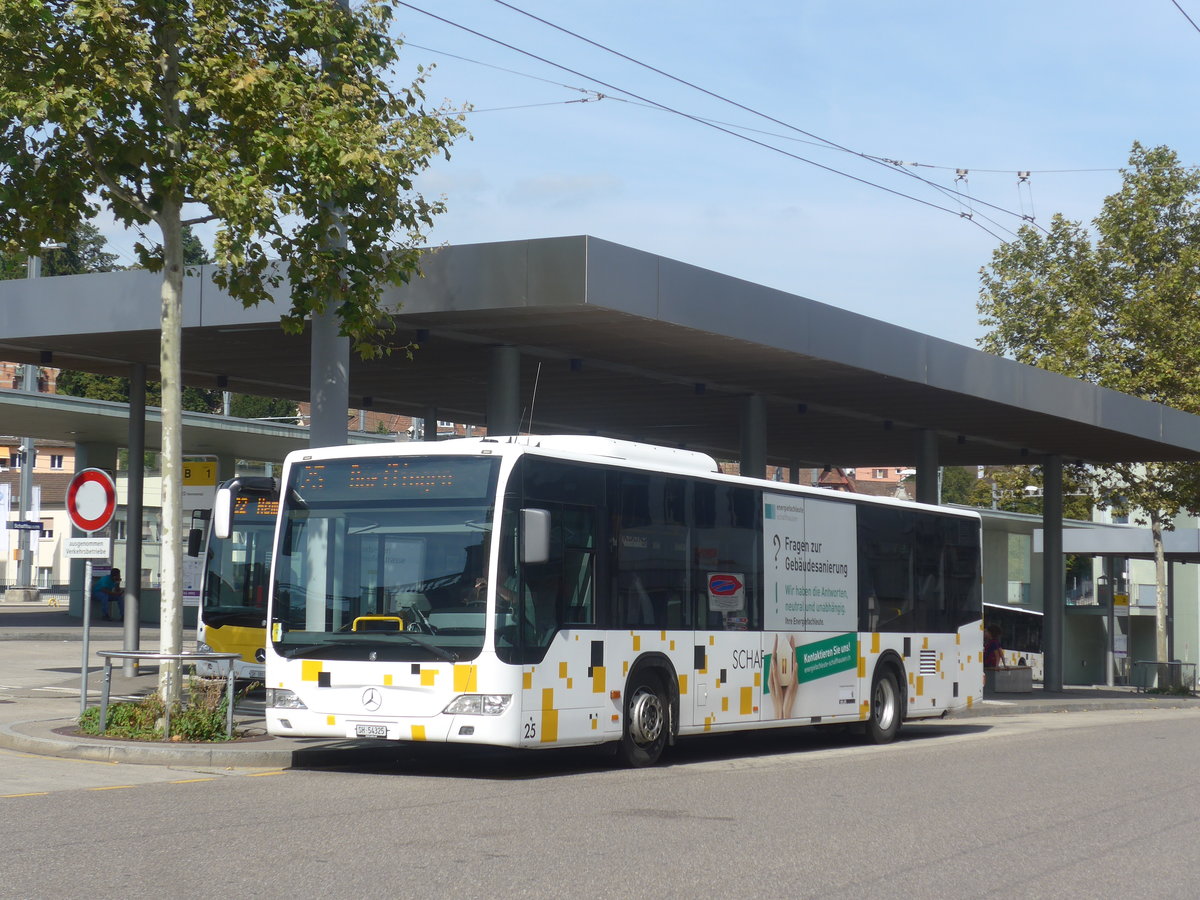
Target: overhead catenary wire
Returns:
[528, 105]
[812, 142]
[1182, 12]
[1023, 181]
[961, 177]
[1026, 210]
[698, 120]
[448, 54]
[823, 141]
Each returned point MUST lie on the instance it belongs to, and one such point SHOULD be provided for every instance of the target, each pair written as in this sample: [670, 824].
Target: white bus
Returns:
[1020, 636]
[232, 617]
[559, 590]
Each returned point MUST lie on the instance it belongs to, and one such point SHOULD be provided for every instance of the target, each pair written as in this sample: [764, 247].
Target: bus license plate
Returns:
[370, 731]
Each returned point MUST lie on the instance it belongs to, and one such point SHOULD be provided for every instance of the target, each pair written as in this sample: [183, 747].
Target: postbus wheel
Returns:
[883, 724]
[646, 721]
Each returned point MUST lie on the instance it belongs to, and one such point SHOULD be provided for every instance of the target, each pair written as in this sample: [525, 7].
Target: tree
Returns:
[1020, 489]
[84, 252]
[249, 406]
[194, 253]
[957, 483]
[116, 389]
[274, 118]
[1117, 306]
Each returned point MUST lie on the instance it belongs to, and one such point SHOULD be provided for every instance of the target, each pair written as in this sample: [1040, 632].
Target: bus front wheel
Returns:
[646, 721]
[886, 711]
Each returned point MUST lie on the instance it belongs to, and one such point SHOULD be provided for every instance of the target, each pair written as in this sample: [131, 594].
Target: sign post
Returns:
[91, 503]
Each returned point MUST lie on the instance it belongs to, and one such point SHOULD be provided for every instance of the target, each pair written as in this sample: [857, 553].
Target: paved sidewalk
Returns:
[41, 650]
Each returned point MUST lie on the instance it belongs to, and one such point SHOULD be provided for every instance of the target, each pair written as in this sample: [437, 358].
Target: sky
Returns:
[1059, 89]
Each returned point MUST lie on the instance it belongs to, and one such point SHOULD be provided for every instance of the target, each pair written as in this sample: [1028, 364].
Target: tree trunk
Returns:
[169, 219]
[170, 372]
[1160, 590]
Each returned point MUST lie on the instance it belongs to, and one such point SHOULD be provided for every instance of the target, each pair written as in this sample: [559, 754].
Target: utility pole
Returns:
[25, 589]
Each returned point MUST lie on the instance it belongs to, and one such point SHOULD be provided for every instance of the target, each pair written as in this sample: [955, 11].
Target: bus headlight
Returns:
[478, 705]
[202, 647]
[282, 698]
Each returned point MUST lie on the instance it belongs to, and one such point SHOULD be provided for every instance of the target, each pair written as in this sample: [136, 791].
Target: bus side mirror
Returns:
[195, 537]
[222, 514]
[535, 535]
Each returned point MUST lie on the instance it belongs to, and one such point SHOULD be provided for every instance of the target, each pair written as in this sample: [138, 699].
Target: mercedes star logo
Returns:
[372, 699]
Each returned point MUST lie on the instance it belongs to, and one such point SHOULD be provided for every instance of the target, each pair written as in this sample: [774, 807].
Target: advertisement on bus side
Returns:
[810, 564]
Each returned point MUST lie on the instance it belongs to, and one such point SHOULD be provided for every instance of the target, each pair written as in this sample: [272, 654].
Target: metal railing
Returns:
[1149, 674]
[183, 657]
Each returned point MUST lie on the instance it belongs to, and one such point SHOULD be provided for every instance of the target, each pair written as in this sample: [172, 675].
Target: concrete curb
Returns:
[1004, 707]
[38, 737]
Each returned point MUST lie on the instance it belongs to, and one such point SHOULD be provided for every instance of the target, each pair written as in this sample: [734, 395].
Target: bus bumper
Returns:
[498, 731]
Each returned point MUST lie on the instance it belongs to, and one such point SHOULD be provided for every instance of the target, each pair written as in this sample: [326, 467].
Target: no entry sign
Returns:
[91, 499]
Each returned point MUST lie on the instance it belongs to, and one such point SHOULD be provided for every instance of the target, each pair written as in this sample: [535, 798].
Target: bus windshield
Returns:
[379, 559]
[237, 570]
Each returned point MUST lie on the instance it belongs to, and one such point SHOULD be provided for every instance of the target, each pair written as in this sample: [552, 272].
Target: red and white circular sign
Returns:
[91, 499]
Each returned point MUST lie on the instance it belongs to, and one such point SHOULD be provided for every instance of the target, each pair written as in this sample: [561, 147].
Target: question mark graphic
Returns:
[778, 544]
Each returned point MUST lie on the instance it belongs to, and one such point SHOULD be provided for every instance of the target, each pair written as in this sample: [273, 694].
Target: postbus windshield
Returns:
[237, 569]
[379, 558]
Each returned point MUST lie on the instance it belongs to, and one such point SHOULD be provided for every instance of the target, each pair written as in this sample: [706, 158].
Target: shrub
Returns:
[200, 718]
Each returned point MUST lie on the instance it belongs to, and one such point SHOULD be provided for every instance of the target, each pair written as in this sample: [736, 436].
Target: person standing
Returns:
[993, 655]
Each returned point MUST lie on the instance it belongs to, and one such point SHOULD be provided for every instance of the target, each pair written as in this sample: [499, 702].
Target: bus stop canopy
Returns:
[78, 419]
[1126, 542]
[619, 342]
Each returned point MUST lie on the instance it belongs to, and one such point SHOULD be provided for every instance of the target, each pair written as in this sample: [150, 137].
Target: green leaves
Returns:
[264, 115]
[1117, 304]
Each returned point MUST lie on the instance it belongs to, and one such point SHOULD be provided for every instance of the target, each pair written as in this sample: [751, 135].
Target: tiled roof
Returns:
[53, 485]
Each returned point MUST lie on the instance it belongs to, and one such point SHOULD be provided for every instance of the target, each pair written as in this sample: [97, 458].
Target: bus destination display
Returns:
[257, 507]
[428, 477]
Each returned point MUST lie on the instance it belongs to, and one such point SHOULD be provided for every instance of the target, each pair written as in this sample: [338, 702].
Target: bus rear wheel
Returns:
[886, 711]
[646, 721]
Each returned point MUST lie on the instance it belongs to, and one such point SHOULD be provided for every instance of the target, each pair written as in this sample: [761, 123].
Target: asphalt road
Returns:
[1095, 804]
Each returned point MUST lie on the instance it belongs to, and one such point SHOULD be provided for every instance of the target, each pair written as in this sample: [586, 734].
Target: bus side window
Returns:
[726, 552]
[885, 584]
[577, 570]
[650, 541]
[634, 600]
[563, 588]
